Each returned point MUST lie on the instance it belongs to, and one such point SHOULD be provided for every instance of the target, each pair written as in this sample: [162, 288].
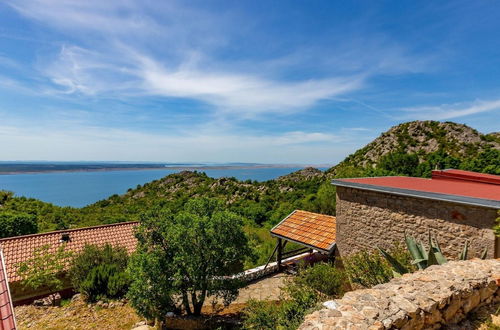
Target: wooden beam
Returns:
[295, 252]
[271, 256]
[279, 256]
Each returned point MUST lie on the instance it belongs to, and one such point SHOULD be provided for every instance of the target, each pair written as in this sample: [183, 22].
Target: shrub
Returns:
[324, 278]
[303, 293]
[104, 281]
[99, 272]
[17, 223]
[369, 268]
[261, 315]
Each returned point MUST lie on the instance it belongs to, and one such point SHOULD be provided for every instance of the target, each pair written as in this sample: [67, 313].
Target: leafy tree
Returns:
[5, 196]
[399, 163]
[190, 254]
[45, 268]
[17, 223]
[326, 199]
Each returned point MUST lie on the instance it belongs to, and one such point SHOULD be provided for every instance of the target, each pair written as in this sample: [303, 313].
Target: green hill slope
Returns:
[413, 148]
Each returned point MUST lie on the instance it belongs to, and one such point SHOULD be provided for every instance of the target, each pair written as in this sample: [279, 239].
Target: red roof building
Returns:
[21, 248]
[456, 186]
[454, 205]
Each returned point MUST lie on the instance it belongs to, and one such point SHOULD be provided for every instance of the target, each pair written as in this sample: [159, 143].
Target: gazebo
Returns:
[314, 231]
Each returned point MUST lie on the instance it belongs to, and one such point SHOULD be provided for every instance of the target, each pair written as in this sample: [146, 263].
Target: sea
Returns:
[78, 189]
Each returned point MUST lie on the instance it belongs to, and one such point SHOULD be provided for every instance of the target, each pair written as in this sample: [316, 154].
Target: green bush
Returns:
[287, 314]
[369, 268]
[100, 272]
[104, 281]
[17, 223]
[261, 315]
[324, 278]
[303, 293]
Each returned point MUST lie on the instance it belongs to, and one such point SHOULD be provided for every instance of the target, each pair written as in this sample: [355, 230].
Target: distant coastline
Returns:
[40, 168]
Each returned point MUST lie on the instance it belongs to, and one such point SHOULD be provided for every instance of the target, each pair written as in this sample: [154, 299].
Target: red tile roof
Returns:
[7, 318]
[311, 229]
[469, 187]
[20, 248]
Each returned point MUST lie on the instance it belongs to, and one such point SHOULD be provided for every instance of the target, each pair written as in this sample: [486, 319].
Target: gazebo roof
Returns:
[307, 228]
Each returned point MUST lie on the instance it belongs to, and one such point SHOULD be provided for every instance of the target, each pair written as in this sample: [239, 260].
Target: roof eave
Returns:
[420, 194]
[305, 244]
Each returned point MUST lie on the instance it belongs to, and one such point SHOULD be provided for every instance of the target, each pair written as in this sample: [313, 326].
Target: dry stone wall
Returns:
[366, 219]
[425, 299]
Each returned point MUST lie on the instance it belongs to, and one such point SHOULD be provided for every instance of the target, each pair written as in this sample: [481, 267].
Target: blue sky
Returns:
[247, 81]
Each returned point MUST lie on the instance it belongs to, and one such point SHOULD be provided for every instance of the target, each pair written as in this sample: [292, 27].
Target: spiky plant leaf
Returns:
[398, 268]
[423, 251]
[484, 254]
[432, 260]
[415, 251]
[440, 258]
[463, 254]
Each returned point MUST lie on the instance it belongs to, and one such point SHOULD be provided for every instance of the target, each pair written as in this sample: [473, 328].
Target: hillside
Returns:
[413, 148]
[417, 147]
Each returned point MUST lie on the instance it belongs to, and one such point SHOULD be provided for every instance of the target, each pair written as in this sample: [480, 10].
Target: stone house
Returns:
[453, 205]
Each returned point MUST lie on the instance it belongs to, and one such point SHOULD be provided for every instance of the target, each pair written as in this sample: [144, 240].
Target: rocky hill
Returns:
[413, 148]
[440, 144]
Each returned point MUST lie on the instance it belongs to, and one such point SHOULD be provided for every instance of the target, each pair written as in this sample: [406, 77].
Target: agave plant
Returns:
[423, 258]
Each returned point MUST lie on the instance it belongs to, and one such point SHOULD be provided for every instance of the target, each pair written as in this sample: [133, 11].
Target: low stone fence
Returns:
[256, 273]
[425, 299]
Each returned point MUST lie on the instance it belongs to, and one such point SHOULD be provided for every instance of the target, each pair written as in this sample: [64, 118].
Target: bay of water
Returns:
[78, 189]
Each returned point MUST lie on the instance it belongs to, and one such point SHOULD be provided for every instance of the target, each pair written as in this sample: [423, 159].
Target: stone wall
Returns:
[425, 299]
[366, 219]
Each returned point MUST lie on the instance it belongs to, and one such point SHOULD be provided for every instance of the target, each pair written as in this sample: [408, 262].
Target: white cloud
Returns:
[450, 111]
[142, 48]
[101, 143]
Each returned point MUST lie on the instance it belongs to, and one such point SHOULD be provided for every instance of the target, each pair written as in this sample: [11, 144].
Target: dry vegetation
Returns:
[75, 316]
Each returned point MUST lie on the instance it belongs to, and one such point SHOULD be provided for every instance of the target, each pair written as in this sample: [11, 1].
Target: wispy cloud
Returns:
[101, 143]
[119, 65]
[450, 111]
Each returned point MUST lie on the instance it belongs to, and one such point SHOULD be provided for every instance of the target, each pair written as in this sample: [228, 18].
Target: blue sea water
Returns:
[78, 189]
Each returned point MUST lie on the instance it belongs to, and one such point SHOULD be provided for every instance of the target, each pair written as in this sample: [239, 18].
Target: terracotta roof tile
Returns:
[20, 248]
[313, 229]
[7, 319]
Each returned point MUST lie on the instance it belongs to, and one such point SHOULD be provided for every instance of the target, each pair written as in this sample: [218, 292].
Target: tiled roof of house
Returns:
[20, 248]
[457, 186]
[7, 318]
[311, 229]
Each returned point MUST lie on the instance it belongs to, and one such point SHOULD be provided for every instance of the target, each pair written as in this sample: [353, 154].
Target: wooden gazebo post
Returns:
[279, 254]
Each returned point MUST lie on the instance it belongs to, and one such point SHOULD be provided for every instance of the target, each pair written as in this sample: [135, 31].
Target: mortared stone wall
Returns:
[367, 219]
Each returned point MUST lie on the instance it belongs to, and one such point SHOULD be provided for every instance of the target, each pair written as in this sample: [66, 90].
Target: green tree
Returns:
[399, 163]
[17, 223]
[326, 198]
[190, 255]
[45, 268]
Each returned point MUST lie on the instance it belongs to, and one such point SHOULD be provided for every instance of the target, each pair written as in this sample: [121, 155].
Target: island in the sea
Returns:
[46, 167]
